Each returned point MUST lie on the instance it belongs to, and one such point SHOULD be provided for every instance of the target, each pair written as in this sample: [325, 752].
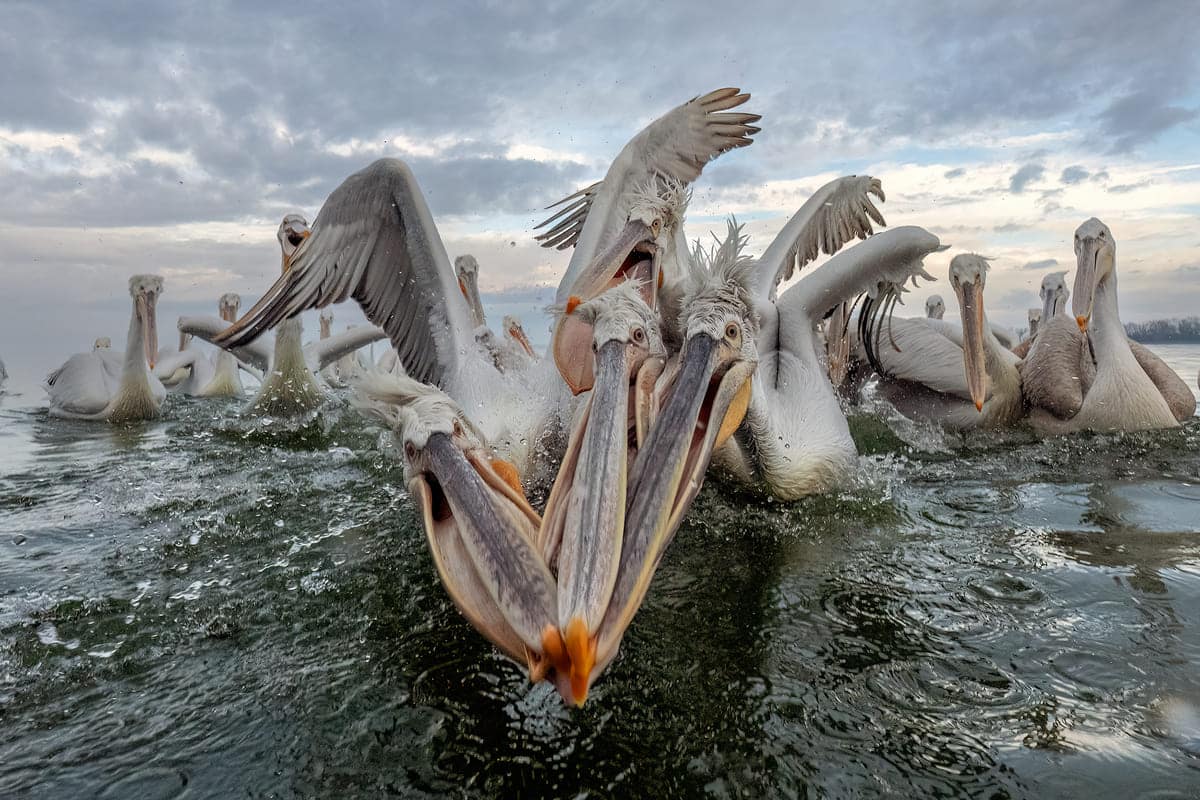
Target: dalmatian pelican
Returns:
[375, 241]
[218, 375]
[1083, 372]
[935, 307]
[513, 352]
[290, 386]
[101, 385]
[962, 382]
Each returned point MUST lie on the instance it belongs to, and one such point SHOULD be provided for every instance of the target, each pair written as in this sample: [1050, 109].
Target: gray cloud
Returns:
[957, 172]
[1024, 176]
[1073, 174]
[1044, 263]
[1122, 188]
[1140, 116]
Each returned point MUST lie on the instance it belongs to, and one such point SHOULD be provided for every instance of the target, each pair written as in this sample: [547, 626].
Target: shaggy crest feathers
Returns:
[153, 283]
[661, 198]
[725, 283]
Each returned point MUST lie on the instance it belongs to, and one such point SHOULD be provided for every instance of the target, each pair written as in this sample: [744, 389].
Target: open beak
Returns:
[970, 302]
[145, 309]
[708, 397]
[584, 519]
[1087, 276]
[482, 536]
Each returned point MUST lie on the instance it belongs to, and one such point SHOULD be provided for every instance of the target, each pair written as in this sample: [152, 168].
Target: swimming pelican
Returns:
[102, 343]
[935, 307]
[963, 381]
[513, 351]
[101, 386]
[1085, 373]
[290, 386]
[1034, 315]
[375, 241]
[217, 375]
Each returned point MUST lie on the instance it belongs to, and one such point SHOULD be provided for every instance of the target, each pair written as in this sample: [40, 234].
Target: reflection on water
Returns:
[208, 606]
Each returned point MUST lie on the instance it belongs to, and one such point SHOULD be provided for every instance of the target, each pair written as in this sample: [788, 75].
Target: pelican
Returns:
[217, 375]
[1034, 315]
[102, 386]
[290, 386]
[513, 352]
[582, 534]
[1085, 373]
[375, 240]
[962, 381]
[1054, 295]
[102, 343]
[935, 307]
[3, 373]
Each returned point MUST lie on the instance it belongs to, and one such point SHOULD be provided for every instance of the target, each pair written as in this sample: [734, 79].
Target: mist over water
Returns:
[206, 606]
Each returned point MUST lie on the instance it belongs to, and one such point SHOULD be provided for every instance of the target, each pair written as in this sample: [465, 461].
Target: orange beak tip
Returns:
[573, 303]
[978, 406]
[1083, 323]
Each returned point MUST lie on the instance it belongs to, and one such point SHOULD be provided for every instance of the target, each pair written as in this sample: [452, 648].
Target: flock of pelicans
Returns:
[665, 361]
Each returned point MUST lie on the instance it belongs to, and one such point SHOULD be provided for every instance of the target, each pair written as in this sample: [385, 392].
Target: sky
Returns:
[171, 138]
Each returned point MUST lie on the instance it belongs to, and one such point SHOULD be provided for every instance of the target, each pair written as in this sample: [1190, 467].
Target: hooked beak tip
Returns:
[581, 650]
[978, 405]
[1082, 322]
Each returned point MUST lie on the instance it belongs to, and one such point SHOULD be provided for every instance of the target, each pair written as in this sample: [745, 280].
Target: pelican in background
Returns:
[375, 240]
[1034, 316]
[102, 343]
[513, 352]
[965, 382]
[935, 307]
[290, 386]
[103, 386]
[1054, 295]
[3, 373]
[218, 375]
[1085, 373]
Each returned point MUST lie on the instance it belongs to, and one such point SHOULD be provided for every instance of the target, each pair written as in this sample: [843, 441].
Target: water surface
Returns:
[207, 607]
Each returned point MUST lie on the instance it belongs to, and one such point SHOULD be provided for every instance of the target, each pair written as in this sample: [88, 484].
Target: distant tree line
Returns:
[1165, 331]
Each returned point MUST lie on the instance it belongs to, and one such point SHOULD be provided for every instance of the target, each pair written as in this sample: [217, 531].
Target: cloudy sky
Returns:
[149, 139]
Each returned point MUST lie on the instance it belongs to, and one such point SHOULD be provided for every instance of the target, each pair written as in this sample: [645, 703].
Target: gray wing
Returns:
[374, 240]
[1177, 394]
[675, 147]
[1053, 375]
[908, 350]
[838, 212]
[327, 351]
[567, 222]
[257, 353]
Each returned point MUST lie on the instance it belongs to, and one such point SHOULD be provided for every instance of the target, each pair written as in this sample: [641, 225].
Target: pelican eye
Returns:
[458, 431]
[410, 451]
[731, 331]
[639, 335]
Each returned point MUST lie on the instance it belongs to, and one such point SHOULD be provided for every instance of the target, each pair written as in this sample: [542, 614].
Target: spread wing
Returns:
[257, 353]
[675, 146]
[375, 241]
[327, 351]
[838, 212]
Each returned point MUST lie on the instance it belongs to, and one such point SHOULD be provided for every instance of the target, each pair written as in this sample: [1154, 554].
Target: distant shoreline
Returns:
[1165, 331]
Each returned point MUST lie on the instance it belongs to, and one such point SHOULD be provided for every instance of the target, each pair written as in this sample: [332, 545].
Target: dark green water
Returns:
[198, 607]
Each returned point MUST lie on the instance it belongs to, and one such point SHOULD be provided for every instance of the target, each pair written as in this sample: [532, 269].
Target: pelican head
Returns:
[638, 251]
[514, 330]
[326, 319]
[228, 305]
[1095, 263]
[702, 399]
[102, 343]
[968, 274]
[145, 289]
[1035, 319]
[935, 307]
[467, 270]
[585, 515]
[481, 530]
[1054, 294]
[291, 234]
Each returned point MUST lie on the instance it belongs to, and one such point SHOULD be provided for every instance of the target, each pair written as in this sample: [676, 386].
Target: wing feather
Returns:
[257, 353]
[838, 212]
[374, 241]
